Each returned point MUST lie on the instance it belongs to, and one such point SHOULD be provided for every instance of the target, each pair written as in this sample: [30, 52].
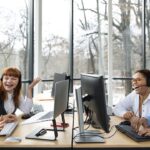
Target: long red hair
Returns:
[11, 71]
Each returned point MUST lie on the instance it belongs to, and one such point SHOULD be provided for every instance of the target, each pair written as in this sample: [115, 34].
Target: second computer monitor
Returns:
[61, 97]
[93, 96]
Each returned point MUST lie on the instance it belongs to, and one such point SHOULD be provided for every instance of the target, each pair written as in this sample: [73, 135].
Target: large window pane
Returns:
[91, 41]
[127, 43]
[90, 37]
[13, 35]
[55, 38]
[13, 39]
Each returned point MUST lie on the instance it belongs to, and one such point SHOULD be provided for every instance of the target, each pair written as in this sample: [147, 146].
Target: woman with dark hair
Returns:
[135, 107]
[11, 97]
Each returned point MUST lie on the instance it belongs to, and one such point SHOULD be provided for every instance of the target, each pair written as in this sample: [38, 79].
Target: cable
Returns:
[110, 131]
[95, 134]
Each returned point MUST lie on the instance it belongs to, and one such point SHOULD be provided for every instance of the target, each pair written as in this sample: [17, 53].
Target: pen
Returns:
[41, 132]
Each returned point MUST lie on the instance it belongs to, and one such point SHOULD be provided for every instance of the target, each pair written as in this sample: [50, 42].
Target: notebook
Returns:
[127, 130]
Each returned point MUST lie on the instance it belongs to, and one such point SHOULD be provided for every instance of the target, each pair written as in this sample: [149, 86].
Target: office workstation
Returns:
[112, 140]
[45, 39]
[63, 139]
[104, 130]
[74, 137]
[27, 131]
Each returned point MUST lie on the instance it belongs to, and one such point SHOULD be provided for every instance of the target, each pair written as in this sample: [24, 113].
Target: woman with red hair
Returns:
[11, 97]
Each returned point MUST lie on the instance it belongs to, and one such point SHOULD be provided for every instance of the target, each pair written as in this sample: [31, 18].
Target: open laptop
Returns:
[128, 130]
[60, 104]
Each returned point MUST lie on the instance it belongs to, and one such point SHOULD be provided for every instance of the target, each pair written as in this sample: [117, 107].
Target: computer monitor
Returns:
[57, 77]
[60, 105]
[61, 97]
[83, 135]
[94, 100]
[60, 77]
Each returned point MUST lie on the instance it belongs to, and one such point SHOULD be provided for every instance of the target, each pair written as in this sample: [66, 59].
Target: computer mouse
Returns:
[126, 122]
[13, 139]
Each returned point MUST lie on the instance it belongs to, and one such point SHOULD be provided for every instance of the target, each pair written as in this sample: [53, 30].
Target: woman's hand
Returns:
[10, 118]
[34, 82]
[128, 115]
[144, 132]
[143, 122]
[137, 123]
[2, 122]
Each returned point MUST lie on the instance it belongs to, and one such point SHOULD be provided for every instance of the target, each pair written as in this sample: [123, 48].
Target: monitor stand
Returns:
[85, 136]
[89, 136]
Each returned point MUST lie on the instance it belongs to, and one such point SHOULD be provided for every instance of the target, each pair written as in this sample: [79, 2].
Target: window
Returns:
[55, 39]
[13, 31]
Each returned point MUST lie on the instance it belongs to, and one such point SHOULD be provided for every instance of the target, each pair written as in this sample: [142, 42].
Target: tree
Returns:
[125, 45]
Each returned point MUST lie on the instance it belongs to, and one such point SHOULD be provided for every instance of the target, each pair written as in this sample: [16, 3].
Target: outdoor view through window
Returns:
[89, 34]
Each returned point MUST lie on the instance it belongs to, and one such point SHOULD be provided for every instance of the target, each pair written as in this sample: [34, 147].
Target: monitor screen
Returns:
[94, 101]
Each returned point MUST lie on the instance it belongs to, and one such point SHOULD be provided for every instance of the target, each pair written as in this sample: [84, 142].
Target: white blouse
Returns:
[25, 104]
[131, 103]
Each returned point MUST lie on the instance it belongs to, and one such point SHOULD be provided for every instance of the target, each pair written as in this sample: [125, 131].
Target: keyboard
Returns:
[8, 128]
[127, 130]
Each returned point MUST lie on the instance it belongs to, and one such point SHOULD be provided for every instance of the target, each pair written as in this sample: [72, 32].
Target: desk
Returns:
[118, 141]
[63, 139]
